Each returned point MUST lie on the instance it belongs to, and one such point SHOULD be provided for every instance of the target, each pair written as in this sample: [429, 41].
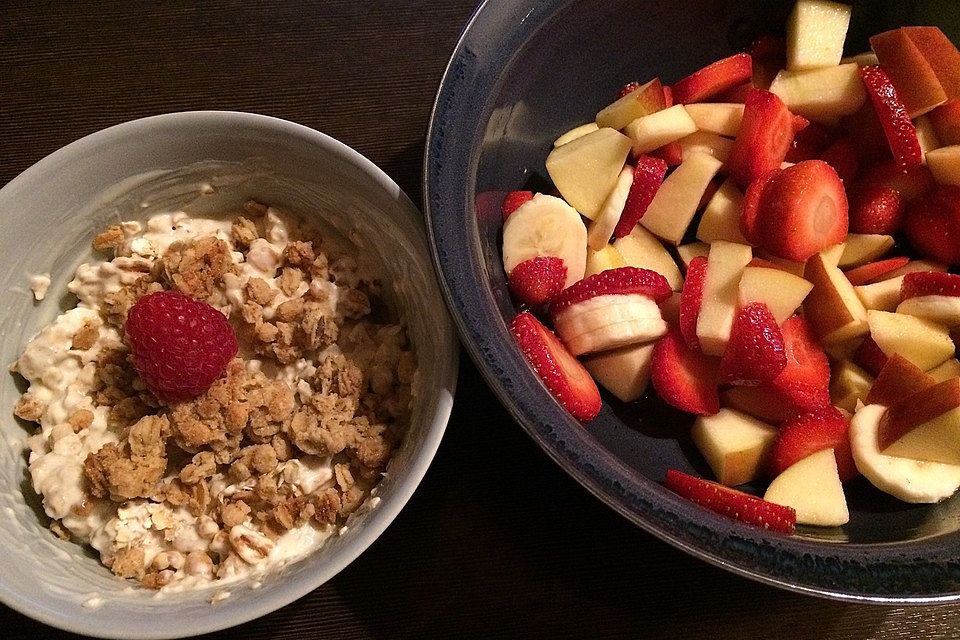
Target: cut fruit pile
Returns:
[767, 241]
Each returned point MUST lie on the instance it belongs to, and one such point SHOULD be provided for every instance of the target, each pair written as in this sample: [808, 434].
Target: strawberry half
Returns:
[897, 127]
[870, 357]
[513, 201]
[933, 225]
[929, 283]
[877, 208]
[647, 177]
[755, 352]
[804, 383]
[713, 79]
[690, 299]
[563, 375]
[872, 271]
[842, 156]
[808, 143]
[750, 208]
[766, 132]
[803, 435]
[684, 378]
[622, 280]
[803, 210]
[538, 280]
[732, 503]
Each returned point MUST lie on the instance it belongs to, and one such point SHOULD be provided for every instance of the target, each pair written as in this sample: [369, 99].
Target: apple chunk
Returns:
[924, 343]
[816, 30]
[659, 128]
[576, 132]
[812, 487]
[942, 309]
[721, 218]
[897, 379]
[676, 201]
[640, 102]
[640, 248]
[862, 248]
[848, 385]
[781, 291]
[822, 95]
[924, 425]
[688, 252]
[832, 308]
[722, 118]
[606, 258]
[735, 445]
[586, 169]
[725, 264]
[624, 372]
[914, 79]
[944, 164]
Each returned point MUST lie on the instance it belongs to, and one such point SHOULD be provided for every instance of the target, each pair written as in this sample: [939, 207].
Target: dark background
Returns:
[497, 541]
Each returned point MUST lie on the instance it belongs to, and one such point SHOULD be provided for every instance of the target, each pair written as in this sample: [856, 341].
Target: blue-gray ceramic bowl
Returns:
[524, 72]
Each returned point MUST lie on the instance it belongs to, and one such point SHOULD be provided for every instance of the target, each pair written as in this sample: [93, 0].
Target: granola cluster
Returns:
[322, 380]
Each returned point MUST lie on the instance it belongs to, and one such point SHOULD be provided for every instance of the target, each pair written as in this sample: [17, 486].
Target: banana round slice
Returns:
[546, 226]
[609, 321]
[914, 481]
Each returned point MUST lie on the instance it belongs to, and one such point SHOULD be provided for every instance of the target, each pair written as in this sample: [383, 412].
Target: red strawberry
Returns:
[764, 138]
[870, 357]
[863, 125]
[563, 374]
[910, 182]
[799, 437]
[946, 122]
[808, 143]
[627, 88]
[876, 208]
[732, 503]
[799, 123]
[805, 380]
[803, 210]
[769, 56]
[933, 225]
[538, 280]
[842, 156]
[622, 280]
[871, 272]
[897, 127]
[713, 79]
[755, 352]
[513, 201]
[179, 345]
[929, 283]
[750, 208]
[684, 378]
[737, 94]
[690, 299]
[647, 177]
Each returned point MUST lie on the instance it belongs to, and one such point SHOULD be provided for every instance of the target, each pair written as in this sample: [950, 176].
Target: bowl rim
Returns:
[445, 367]
[451, 153]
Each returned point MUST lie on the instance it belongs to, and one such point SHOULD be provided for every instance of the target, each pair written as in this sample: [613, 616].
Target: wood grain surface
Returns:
[497, 542]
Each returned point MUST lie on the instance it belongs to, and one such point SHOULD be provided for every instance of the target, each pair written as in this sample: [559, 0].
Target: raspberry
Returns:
[180, 345]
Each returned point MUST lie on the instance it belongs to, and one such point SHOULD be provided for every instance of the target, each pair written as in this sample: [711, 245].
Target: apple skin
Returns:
[909, 70]
[924, 425]
[833, 309]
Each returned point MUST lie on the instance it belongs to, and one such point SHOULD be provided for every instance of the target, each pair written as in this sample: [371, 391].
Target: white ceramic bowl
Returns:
[50, 214]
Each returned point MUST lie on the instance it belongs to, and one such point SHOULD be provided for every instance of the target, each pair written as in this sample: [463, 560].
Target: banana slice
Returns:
[606, 221]
[614, 336]
[942, 309]
[609, 321]
[914, 481]
[546, 226]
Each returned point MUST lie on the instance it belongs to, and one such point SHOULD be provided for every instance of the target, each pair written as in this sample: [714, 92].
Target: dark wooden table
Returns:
[497, 542]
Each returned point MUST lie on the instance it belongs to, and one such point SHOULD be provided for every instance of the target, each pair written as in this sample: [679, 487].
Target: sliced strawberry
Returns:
[933, 225]
[799, 437]
[863, 125]
[946, 122]
[755, 352]
[736, 95]
[684, 378]
[538, 280]
[627, 88]
[513, 201]
[750, 208]
[713, 79]
[690, 299]
[622, 280]
[764, 138]
[803, 210]
[898, 378]
[563, 374]
[876, 208]
[805, 380]
[872, 271]
[732, 503]
[897, 127]
[647, 177]
[843, 157]
[799, 123]
[870, 357]
[929, 283]
[808, 142]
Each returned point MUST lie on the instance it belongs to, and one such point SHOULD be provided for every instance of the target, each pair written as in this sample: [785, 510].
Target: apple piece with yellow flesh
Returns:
[865, 59]
[832, 255]
[822, 95]
[848, 385]
[721, 287]
[790, 266]
[832, 308]
[926, 136]
[640, 248]
[816, 30]
[941, 54]
[606, 258]
[862, 248]
[880, 296]
[676, 201]
[945, 371]
[812, 487]
[944, 164]
[898, 378]
[924, 425]
[687, 252]
[600, 230]
[585, 170]
[781, 291]
[624, 372]
[659, 128]
[722, 118]
[909, 70]
[944, 310]
[642, 101]
[708, 143]
[576, 132]
[721, 218]
[735, 445]
[924, 343]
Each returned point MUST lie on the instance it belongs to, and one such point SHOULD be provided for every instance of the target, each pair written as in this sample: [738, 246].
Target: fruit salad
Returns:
[768, 243]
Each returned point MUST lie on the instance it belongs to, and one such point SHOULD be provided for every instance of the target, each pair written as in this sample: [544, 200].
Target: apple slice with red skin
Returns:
[873, 271]
[870, 357]
[766, 132]
[909, 71]
[824, 428]
[732, 503]
[672, 152]
[563, 375]
[684, 378]
[917, 409]
[713, 79]
[941, 54]
[897, 127]
[946, 122]
[898, 379]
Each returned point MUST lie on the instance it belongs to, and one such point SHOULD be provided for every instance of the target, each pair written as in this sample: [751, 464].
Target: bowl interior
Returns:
[521, 76]
[54, 209]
